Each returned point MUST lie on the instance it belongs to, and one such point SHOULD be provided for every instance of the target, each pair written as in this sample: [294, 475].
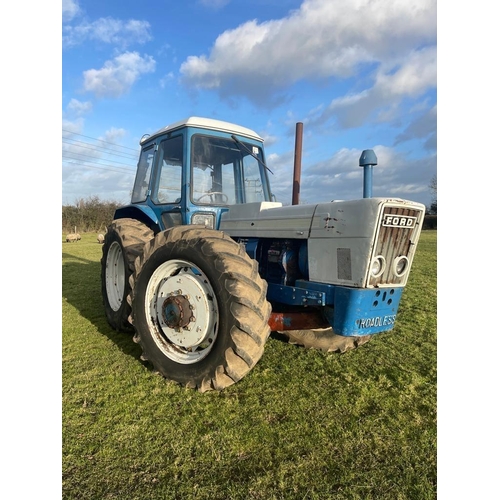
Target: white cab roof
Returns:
[208, 123]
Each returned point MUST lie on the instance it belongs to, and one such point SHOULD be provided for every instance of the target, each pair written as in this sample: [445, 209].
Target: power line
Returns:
[101, 155]
[87, 145]
[108, 168]
[68, 154]
[100, 140]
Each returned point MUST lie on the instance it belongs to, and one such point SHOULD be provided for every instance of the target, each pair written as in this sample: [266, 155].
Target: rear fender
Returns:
[142, 213]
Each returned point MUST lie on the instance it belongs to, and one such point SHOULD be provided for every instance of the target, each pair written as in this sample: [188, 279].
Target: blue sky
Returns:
[359, 74]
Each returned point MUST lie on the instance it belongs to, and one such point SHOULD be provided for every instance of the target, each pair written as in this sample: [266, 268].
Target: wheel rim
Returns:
[115, 276]
[182, 311]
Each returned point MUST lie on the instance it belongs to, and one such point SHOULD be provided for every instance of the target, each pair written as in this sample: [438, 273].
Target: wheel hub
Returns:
[177, 311]
[185, 313]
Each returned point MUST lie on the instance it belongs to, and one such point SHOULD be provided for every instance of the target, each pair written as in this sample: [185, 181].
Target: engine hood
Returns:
[352, 218]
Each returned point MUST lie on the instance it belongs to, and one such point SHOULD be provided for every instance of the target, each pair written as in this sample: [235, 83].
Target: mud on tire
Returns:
[199, 308]
[123, 243]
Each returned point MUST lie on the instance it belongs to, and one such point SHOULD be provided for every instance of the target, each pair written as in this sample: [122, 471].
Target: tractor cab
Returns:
[192, 171]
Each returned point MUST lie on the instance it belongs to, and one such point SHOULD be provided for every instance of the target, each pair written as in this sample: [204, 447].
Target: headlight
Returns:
[207, 220]
[378, 266]
[400, 265]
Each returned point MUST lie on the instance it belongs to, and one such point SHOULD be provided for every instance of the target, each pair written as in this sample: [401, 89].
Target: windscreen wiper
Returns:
[237, 141]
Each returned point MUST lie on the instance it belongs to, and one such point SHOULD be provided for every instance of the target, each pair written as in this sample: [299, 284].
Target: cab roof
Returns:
[207, 123]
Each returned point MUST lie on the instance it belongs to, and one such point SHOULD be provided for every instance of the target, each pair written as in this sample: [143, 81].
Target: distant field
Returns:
[301, 425]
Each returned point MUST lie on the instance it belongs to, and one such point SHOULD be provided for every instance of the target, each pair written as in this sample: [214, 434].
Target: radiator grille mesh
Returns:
[394, 241]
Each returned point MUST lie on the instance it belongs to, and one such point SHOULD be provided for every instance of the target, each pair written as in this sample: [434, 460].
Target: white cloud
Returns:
[78, 108]
[411, 77]
[113, 135]
[281, 178]
[83, 182]
[71, 127]
[70, 9]
[416, 74]
[269, 139]
[117, 76]
[108, 30]
[322, 39]
[340, 177]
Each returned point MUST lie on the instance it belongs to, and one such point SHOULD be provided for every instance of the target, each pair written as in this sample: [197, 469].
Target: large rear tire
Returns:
[123, 243]
[199, 308]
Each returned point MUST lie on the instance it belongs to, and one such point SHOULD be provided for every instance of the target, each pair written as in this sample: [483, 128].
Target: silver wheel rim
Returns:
[115, 276]
[182, 311]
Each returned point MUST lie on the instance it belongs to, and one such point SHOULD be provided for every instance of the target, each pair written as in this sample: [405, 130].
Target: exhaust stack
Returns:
[297, 164]
[367, 160]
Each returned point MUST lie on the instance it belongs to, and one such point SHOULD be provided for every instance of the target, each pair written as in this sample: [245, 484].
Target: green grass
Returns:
[301, 425]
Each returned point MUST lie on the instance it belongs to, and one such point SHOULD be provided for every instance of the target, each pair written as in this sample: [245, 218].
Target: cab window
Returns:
[143, 175]
[170, 158]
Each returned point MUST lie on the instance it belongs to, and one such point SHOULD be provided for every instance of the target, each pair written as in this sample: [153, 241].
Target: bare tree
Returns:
[433, 186]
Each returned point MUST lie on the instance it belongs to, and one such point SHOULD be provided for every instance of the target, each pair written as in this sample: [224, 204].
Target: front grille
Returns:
[397, 238]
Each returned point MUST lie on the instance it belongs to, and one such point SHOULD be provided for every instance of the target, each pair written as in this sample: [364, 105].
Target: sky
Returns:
[358, 74]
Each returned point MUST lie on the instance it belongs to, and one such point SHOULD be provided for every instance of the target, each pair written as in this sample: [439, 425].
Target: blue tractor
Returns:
[203, 263]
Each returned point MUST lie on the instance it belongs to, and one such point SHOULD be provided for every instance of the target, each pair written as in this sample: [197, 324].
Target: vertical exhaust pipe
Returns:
[367, 160]
[297, 163]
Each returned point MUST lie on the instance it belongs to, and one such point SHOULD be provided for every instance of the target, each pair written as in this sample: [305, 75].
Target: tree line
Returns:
[88, 215]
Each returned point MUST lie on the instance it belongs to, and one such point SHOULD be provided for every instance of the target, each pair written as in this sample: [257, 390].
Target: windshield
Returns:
[224, 173]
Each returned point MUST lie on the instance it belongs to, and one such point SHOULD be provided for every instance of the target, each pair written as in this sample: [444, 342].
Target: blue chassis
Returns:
[350, 311]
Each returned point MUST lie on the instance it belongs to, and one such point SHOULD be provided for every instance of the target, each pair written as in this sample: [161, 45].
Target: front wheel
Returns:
[199, 308]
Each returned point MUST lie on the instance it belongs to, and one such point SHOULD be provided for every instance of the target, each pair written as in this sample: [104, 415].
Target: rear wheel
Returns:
[199, 308]
[123, 242]
[324, 339]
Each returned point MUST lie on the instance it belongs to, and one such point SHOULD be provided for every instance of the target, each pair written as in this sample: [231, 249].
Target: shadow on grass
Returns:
[81, 287]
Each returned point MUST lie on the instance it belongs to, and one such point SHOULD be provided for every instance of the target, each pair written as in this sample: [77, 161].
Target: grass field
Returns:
[302, 424]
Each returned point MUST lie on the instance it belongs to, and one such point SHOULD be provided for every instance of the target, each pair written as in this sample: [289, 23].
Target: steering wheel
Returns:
[225, 199]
